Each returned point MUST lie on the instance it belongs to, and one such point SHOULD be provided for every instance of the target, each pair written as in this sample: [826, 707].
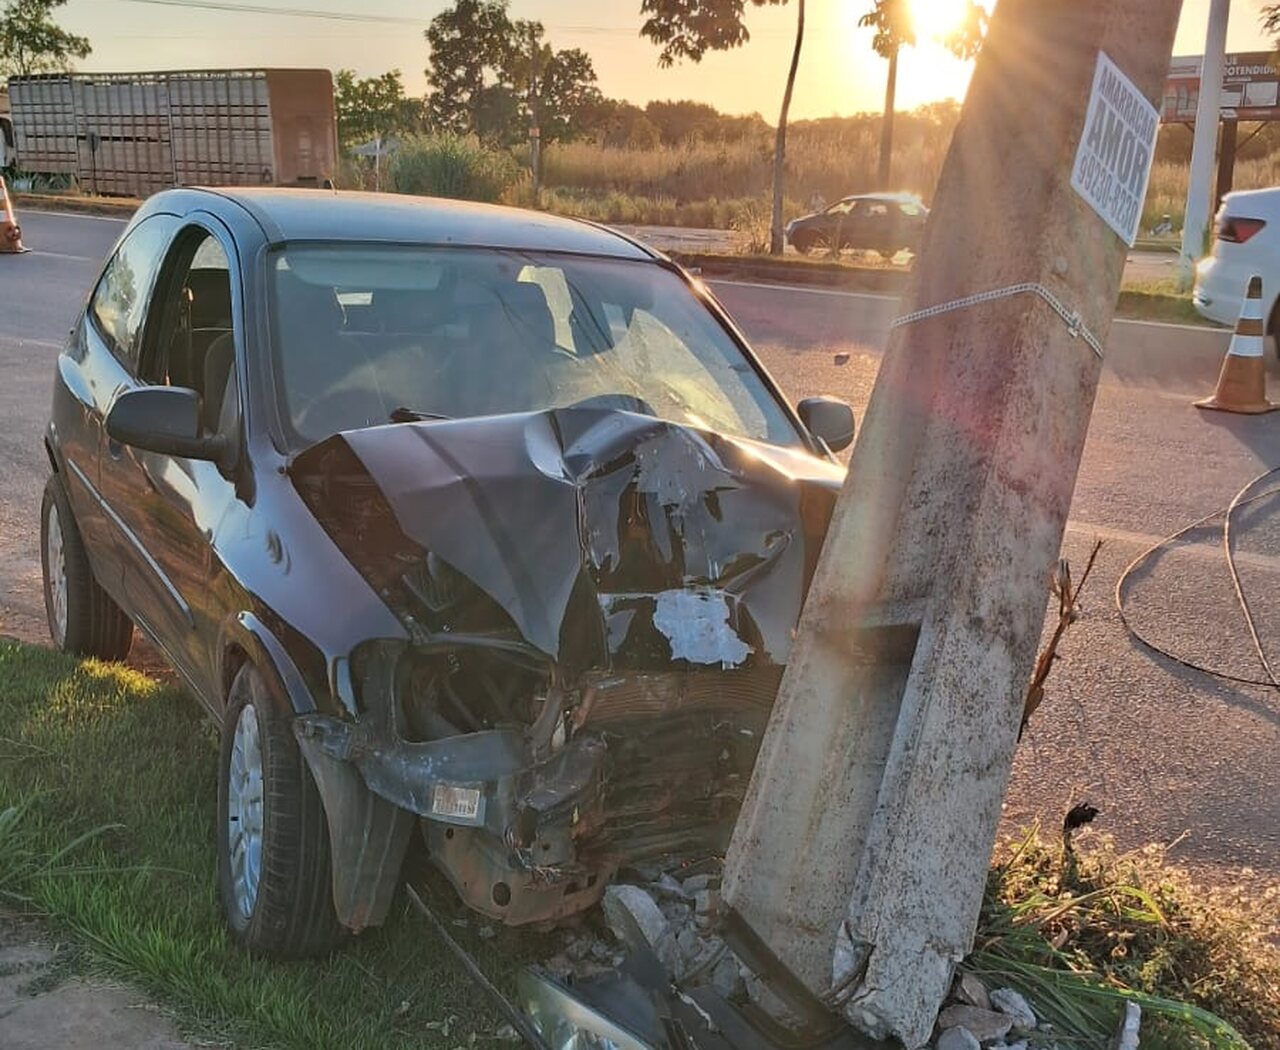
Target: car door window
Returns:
[119, 304]
[194, 345]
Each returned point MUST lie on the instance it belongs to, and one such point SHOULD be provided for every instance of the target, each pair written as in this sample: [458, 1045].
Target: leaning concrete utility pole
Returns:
[1204, 144]
[860, 855]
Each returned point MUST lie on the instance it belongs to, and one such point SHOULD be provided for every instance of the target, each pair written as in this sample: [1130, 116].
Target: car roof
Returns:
[899, 197]
[310, 215]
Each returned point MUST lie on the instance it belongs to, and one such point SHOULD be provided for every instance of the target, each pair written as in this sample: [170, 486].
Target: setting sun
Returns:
[938, 19]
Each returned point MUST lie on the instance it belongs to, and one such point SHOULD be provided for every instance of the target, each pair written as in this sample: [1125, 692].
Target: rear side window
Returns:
[119, 306]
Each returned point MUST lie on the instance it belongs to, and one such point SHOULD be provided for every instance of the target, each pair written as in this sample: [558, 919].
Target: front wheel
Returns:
[83, 618]
[274, 870]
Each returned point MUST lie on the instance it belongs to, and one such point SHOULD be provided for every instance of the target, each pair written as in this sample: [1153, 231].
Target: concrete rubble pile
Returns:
[674, 912]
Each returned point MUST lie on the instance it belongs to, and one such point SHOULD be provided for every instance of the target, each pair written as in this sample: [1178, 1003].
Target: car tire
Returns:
[83, 619]
[804, 242]
[274, 869]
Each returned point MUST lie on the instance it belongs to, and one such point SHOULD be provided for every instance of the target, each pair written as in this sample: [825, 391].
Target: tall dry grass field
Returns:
[715, 183]
[729, 184]
[1167, 194]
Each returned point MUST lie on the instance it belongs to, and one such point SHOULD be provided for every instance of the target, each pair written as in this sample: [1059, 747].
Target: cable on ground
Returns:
[1242, 499]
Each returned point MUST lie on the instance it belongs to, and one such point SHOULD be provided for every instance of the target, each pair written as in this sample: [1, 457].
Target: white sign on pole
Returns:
[1113, 160]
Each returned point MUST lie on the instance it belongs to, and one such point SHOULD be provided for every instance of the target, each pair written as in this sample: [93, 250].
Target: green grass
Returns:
[1139, 305]
[1080, 934]
[107, 785]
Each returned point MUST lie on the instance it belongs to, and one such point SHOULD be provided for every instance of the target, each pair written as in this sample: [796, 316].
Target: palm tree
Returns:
[895, 27]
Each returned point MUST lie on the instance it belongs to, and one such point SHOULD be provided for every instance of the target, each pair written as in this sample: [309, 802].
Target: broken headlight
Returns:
[566, 1022]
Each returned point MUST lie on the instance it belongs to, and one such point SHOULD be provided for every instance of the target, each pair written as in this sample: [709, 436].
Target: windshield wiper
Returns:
[412, 415]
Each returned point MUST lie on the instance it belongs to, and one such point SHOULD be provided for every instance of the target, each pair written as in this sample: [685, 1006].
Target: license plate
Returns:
[456, 803]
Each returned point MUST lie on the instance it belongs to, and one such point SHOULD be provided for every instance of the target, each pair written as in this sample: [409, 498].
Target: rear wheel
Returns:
[82, 617]
[274, 869]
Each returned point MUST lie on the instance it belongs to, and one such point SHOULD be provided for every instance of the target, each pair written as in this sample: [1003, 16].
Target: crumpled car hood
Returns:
[609, 538]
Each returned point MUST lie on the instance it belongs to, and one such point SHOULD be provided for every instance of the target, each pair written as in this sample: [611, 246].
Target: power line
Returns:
[297, 12]
[356, 16]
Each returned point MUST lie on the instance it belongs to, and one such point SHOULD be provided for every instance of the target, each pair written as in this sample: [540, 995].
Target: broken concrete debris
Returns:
[971, 991]
[675, 921]
[1127, 1034]
[657, 909]
[1012, 1004]
[959, 1038]
[986, 1025]
[992, 1019]
[637, 921]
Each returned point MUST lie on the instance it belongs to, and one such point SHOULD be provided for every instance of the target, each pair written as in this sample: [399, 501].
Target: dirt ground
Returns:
[44, 1007]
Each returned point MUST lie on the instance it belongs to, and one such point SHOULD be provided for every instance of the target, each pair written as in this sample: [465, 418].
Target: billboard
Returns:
[1250, 87]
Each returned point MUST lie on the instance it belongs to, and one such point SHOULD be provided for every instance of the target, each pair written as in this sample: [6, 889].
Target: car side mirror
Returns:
[164, 419]
[829, 419]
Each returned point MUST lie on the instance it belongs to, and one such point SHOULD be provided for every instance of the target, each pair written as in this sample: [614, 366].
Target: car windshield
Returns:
[365, 335]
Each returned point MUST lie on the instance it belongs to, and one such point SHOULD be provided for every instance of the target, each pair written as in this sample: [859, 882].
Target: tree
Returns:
[1269, 16]
[374, 106]
[496, 78]
[567, 94]
[691, 28]
[616, 124]
[556, 90]
[470, 44]
[895, 28]
[31, 42]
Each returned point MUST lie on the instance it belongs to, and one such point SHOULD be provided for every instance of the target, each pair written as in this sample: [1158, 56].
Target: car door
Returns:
[100, 361]
[173, 504]
[834, 222]
[877, 226]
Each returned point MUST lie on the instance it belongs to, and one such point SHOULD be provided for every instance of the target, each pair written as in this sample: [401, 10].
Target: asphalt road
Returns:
[1163, 750]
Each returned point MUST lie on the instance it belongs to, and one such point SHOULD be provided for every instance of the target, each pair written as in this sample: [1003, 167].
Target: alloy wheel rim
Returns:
[56, 561]
[244, 812]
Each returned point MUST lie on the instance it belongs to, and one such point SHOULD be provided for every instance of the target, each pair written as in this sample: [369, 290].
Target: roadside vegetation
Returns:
[693, 170]
[107, 800]
[1081, 932]
[106, 827]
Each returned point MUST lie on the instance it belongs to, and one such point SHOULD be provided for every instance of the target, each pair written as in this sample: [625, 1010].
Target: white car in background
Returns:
[1246, 242]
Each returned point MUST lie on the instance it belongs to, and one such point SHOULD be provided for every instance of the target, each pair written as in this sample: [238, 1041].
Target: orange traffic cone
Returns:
[10, 231]
[1242, 383]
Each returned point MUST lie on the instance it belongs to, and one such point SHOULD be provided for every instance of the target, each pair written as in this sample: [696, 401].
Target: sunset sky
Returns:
[839, 73]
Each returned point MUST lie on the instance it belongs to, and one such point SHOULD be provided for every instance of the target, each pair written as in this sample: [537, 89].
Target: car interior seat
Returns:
[501, 365]
[219, 361]
[321, 361]
[207, 307]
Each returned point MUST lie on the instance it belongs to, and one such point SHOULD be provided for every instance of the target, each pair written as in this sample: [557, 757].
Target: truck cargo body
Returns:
[132, 134]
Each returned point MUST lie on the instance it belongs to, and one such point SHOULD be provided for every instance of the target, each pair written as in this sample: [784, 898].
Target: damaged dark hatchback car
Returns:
[461, 521]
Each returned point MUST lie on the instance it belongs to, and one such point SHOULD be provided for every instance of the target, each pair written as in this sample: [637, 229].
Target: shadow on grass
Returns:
[101, 751]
